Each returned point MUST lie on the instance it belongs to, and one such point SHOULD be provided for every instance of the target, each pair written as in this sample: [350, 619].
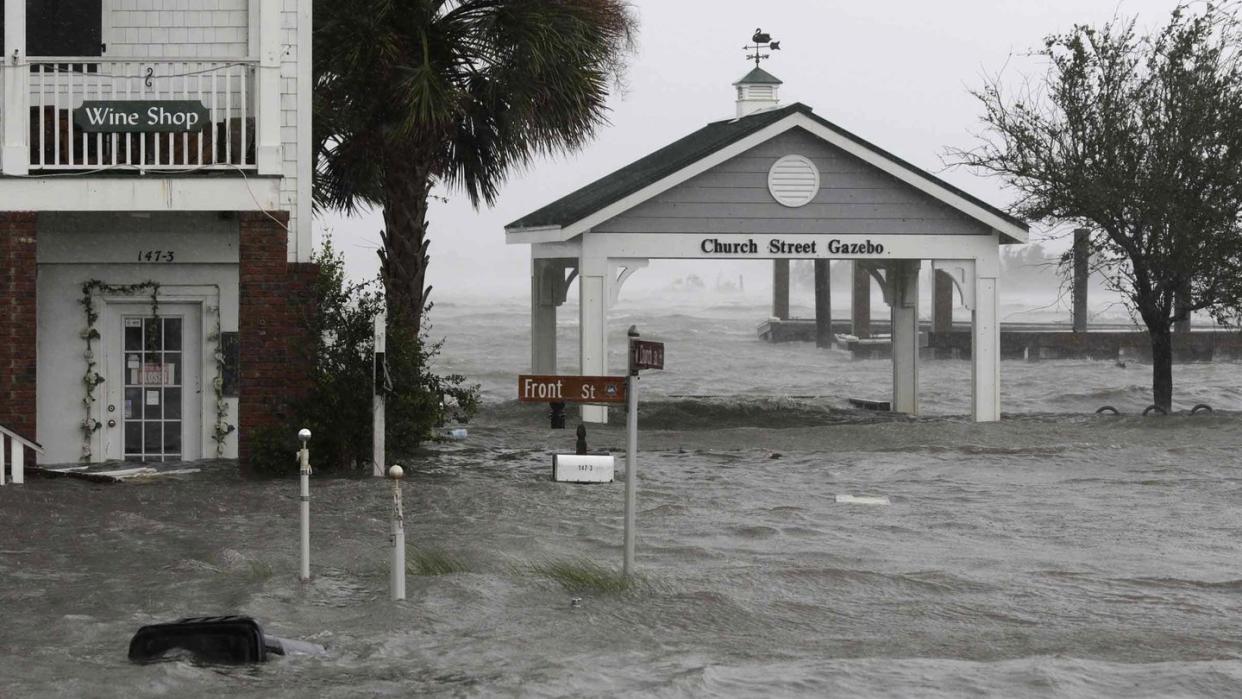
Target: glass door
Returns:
[154, 386]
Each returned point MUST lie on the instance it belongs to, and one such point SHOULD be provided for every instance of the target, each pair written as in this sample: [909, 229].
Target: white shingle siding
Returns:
[177, 28]
[289, 127]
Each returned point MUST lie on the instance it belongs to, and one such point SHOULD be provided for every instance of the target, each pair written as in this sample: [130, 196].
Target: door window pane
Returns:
[172, 369]
[133, 403]
[172, 437]
[152, 437]
[172, 404]
[133, 437]
[133, 336]
[172, 334]
[152, 402]
[151, 333]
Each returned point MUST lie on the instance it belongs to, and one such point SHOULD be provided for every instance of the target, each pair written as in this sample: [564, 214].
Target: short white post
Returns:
[305, 470]
[2, 438]
[380, 374]
[631, 459]
[398, 534]
[17, 461]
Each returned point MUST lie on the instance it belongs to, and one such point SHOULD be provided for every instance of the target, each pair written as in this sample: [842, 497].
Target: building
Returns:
[772, 182]
[155, 213]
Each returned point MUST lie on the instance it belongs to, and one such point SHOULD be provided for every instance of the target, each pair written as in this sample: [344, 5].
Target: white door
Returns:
[154, 382]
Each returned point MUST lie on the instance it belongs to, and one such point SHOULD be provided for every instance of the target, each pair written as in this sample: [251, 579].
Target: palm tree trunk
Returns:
[1162, 366]
[403, 258]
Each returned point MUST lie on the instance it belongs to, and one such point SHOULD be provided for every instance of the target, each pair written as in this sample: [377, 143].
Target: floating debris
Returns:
[863, 500]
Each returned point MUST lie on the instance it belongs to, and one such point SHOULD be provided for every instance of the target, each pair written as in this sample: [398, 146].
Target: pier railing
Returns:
[59, 85]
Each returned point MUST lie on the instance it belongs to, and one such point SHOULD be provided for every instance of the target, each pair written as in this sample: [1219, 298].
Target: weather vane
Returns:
[762, 41]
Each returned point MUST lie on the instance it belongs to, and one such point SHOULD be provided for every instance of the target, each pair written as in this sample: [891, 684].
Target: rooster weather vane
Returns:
[761, 41]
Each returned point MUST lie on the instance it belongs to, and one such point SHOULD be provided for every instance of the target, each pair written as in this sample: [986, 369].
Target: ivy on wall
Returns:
[222, 429]
[92, 378]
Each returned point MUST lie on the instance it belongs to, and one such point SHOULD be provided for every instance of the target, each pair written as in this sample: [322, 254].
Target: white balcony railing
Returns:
[59, 85]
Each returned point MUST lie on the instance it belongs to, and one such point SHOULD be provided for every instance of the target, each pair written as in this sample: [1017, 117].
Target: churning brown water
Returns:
[1054, 553]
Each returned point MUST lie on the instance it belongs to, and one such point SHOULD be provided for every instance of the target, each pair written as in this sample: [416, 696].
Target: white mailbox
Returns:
[589, 468]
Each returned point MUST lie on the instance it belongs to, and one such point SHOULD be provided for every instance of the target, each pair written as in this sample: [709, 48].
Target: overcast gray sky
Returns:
[895, 72]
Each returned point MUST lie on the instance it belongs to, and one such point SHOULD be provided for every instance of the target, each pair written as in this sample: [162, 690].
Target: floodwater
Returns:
[1054, 553]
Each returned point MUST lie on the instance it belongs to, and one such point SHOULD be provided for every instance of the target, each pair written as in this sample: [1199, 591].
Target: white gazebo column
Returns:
[16, 107]
[985, 351]
[593, 293]
[903, 280]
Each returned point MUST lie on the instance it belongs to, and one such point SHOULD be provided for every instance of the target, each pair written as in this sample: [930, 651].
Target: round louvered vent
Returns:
[793, 180]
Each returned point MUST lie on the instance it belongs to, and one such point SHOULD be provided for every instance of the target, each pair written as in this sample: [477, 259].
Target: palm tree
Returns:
[414, 93]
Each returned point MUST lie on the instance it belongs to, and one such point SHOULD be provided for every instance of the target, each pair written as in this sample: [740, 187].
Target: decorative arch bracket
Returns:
[628, 266]
[962, 272]
[880, 275]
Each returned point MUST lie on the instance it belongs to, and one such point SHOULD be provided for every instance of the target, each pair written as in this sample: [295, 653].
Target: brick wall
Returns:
[275, 296]
[18, 351]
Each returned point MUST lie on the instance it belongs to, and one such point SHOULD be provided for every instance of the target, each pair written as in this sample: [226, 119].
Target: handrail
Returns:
[25, 442]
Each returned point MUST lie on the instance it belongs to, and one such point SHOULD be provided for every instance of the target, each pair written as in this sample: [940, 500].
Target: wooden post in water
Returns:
[823, 304]
[860, 302]
[780, 289]
[1082, 256]
[942, 302]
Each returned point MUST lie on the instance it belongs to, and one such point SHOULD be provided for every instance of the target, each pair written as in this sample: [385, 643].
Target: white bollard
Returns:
[2, 438]
[398, 534]
[305, 471]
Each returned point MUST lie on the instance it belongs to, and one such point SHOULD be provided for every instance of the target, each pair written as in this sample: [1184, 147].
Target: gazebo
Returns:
[775, 182]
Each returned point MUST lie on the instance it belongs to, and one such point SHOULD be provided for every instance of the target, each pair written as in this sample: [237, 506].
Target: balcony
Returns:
[57, 86]
[73, 129]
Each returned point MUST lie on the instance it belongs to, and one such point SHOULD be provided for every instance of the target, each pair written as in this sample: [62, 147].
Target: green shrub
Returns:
[337, 409]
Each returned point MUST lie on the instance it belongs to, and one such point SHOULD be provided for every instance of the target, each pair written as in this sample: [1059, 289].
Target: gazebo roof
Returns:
[716, 136]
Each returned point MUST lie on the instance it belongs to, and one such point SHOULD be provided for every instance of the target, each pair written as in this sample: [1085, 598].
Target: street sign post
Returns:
[643, 354]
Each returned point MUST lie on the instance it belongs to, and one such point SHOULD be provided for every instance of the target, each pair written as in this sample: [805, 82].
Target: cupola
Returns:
[757, 90]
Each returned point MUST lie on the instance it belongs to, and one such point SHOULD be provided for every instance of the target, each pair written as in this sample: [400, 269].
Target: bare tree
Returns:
[1138, 138]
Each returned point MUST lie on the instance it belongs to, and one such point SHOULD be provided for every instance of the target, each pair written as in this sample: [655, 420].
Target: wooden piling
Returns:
[780, 289]
[1082, 253]
[860, 302]
[942, 302]
[823, 304]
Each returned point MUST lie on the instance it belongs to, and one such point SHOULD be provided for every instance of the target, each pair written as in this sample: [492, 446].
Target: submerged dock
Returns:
[1028, 341]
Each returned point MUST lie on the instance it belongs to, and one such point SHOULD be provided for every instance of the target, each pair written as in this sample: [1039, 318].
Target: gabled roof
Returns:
[759, 76]
[690, 149]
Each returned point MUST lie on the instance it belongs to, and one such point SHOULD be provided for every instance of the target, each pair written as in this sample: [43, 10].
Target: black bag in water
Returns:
[210, 639]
